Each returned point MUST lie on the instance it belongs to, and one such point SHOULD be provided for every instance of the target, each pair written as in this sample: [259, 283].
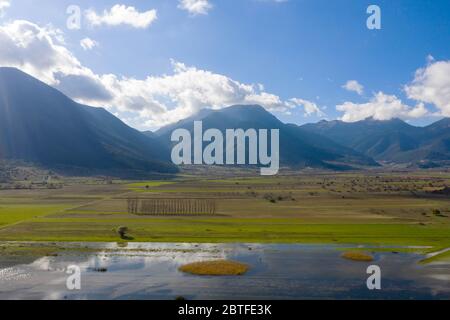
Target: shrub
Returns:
[122, 231]
[436, 212]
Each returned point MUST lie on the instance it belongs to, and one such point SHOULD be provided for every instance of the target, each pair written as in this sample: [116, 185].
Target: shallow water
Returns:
[291, 271]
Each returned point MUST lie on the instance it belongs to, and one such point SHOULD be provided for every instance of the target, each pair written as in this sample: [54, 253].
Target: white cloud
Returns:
[144, 103]
[40, 52]
[88, 44]
[380, 107]
[4, 4]
[160, 100]
[432, 85]
[35, 50]
[195, 7]
[120, 14]
[355, 86]
[309, 107]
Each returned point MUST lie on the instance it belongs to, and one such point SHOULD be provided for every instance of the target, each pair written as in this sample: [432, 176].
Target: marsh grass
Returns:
[215, 268]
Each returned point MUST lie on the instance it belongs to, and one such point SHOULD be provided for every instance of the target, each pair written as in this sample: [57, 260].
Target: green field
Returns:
[353, 208]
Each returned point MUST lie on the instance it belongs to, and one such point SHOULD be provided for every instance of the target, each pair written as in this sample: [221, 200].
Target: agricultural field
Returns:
[381, 208]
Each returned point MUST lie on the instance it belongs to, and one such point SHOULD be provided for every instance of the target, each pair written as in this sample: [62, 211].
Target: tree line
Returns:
[171, 206]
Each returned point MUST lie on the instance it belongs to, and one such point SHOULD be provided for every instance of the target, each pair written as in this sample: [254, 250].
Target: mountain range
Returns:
[298, 147]
[391, 141]
[41, 125]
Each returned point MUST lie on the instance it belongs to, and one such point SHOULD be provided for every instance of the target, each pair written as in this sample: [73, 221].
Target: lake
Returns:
[288, 271]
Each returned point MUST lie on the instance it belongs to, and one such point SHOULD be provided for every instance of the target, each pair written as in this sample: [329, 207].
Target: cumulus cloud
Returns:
[36, 50]
[120, 14]
[88, 44]
[157, 100]
[145, 103]
[355, 86]
[40, 52]
[380, 107]
[195, 7]
[160, 100]
[309, 107]
[4, 4]
[432, 85]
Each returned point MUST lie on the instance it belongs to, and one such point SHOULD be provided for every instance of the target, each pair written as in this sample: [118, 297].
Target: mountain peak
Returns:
[250, 114]
[254, 107]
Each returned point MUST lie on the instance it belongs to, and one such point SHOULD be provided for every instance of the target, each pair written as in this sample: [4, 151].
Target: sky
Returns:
[155, 62]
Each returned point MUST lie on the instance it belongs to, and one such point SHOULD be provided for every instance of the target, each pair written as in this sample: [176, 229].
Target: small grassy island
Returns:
[357, 256]
[215, 268]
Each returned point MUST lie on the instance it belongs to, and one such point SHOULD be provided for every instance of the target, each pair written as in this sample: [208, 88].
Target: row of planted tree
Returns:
[171, 206]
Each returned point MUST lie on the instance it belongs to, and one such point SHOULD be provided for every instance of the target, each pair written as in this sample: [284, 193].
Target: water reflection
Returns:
[150, 271]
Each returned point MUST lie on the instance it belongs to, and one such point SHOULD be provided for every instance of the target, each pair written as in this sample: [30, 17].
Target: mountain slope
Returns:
[392, 140]
[41, 125]
[298, 147]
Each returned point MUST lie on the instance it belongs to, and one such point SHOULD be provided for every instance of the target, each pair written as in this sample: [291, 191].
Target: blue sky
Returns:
[297, 49]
